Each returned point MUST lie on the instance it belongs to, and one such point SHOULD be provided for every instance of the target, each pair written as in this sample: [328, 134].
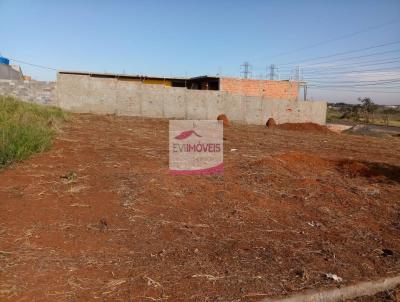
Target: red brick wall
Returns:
[287, 90]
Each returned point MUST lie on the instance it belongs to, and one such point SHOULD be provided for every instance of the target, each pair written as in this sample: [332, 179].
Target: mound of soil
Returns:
[303, 127]
[271, 123]
[292, 164]
[309, 160]
[224, 119]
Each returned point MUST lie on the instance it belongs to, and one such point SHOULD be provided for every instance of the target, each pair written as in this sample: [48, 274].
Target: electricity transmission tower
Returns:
[297, 74]
[246, 70]
[272, 72]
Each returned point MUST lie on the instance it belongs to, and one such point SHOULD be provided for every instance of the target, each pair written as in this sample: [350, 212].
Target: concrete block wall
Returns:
[9, 73]
[84, 93]
[285, 90]
[31, 91]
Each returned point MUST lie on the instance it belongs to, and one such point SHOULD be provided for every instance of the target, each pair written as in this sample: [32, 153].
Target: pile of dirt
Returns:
[299, 163]
[306, 160]
[303, 127]
[292, 164]
[271, 123]
[224, 119]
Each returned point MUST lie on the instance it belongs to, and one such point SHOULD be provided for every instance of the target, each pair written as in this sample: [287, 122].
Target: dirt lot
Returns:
[98, 217]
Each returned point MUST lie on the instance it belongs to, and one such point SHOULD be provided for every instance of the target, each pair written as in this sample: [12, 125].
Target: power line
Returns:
[374, 73]
[354, 57]
[371, 81]
[347, 79]
[349, 72]
[341, 59]
[336, 39]
[387, 85]
[357, 85]
[347, 90]
[342, 69]
[382, 71]
[357, 64]
[343, 53]
[381, 85]
[364, 87]
[31, 64]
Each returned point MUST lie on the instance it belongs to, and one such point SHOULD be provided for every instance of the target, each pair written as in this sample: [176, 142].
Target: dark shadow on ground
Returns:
[379, 171]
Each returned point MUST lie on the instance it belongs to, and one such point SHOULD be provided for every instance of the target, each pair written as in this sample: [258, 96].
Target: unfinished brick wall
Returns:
[287, 90]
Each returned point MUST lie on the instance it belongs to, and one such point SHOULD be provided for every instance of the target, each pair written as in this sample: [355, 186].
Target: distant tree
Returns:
[345, 109]
[350, 111]
[368, 107]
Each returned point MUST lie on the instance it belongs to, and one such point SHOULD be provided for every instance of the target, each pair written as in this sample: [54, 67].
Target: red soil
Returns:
[98, 217]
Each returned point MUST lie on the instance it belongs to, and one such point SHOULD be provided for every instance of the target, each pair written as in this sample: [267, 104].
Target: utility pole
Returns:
[301, 82]
[297, 79]
[305, 91]
[246, 70]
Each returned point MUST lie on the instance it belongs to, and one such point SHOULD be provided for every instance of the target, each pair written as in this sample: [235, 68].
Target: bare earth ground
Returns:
[98, 217]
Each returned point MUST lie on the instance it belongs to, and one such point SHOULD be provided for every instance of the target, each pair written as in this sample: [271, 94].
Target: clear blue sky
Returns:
[184, 38]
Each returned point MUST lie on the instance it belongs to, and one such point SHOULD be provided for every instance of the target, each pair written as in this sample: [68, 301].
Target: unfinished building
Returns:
[242, 101]
[284, 89]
